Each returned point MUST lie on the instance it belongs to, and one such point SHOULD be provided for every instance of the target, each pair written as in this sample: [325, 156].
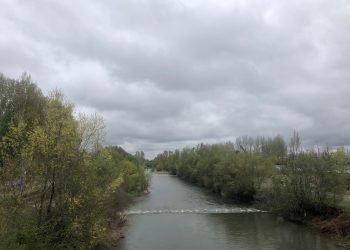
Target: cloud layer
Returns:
[168, 73]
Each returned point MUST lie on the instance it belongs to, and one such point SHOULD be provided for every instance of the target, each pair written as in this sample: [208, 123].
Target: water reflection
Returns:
[267, 231]
[201, 231]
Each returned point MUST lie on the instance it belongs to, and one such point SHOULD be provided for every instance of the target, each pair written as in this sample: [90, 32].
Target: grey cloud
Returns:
[167, 74]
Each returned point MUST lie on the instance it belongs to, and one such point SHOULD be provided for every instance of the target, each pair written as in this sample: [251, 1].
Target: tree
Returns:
[91, 131]
[20, 100]
[59, 187]
[295, 143]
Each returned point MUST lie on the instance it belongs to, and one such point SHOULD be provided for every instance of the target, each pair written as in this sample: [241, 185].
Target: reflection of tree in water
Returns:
[266, 231]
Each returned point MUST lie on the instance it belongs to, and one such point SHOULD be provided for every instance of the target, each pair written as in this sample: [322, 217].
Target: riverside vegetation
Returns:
[59, 188]
[302, 185]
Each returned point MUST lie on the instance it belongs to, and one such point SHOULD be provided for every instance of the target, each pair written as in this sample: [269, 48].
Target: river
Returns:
[179, 216]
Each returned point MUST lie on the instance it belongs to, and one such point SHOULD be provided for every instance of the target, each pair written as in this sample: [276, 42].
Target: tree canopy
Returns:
[59, 187]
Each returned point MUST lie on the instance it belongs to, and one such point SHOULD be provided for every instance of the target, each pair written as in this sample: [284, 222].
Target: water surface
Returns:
[177, 215]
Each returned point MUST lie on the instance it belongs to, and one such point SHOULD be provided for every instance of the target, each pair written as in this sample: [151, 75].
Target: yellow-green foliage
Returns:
[57, 191]
[116, 184]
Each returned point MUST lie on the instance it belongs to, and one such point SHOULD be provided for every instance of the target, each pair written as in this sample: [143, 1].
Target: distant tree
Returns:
[295, 143]
[278, 147]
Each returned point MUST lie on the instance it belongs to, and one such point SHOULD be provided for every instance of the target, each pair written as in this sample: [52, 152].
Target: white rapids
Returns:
[196, 211]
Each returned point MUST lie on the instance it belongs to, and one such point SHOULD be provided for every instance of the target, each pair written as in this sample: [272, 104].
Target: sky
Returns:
[166, 74]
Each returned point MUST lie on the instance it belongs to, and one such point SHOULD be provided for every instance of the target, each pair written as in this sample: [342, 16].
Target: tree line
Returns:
[59, 187]
[266, 171]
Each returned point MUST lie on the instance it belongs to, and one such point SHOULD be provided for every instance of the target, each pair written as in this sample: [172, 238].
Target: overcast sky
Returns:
[165, 74]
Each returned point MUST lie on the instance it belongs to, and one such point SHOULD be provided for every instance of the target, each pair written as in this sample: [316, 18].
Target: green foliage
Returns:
[233, 174]
[19, 100]
[344, 204]
[308, 183]
[260, 170]
[59, 189]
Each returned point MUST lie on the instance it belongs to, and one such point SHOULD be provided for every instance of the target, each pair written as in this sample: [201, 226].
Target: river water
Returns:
[177, 215]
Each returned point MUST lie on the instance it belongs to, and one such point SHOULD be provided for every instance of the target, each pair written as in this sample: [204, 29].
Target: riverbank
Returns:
[114, 233]
[334, 222]
[338, 227]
